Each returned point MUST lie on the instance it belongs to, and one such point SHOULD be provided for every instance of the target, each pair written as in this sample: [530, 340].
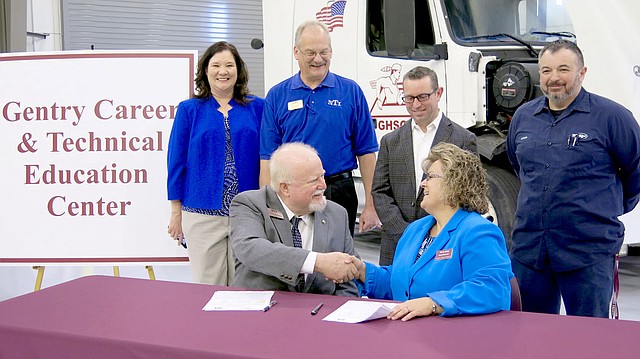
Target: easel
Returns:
[116, 273]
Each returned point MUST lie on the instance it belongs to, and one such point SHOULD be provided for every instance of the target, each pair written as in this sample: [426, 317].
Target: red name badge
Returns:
[444, 254]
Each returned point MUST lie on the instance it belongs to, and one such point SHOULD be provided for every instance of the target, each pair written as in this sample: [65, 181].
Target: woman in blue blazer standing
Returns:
[453, 261]
[213, 155]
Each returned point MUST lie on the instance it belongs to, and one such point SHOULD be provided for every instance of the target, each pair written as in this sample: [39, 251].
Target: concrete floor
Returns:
[16, 281]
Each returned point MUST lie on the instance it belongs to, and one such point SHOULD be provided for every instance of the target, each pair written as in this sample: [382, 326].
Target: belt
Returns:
[337, 177]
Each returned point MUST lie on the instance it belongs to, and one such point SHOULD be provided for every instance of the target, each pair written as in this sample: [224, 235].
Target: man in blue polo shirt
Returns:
[577, 155]
[328, 112]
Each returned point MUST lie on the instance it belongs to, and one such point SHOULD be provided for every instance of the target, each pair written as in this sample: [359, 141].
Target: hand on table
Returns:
[419, 307]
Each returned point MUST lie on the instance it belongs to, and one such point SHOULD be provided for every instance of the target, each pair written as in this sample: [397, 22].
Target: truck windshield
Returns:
[533, 21]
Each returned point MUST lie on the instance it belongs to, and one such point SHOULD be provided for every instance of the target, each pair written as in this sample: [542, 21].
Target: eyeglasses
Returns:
[433, 175]
[422, 97]
[310, 54]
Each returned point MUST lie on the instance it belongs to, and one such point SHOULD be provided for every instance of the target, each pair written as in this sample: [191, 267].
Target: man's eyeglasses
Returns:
[310, 54]
[432, 176]
[422, 97]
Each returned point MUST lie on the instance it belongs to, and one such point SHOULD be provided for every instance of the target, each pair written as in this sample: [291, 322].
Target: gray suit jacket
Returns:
[266, 259]
[394, 184]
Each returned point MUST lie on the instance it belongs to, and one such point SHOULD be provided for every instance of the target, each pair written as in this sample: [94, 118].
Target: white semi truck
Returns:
[482, 50]
[485, 54]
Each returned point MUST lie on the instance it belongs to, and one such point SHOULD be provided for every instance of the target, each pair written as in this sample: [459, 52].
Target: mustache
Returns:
[556, 83]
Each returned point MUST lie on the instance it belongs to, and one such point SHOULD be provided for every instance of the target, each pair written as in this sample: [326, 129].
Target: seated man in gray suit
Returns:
[396, 186]
[287, 236]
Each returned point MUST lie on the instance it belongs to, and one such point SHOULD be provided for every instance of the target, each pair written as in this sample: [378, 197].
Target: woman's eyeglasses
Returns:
[433, 175]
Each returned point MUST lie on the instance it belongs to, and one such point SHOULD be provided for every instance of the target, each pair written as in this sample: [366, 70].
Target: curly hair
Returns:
[464, 178]
[241, 87]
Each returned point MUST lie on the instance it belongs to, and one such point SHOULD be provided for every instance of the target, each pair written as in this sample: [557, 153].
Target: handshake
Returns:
[340, 267]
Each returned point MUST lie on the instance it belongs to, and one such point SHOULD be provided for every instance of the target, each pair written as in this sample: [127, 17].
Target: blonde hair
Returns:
[464, 178]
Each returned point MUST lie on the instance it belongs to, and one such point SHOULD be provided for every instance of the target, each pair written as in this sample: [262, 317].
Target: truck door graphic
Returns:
[388, 109]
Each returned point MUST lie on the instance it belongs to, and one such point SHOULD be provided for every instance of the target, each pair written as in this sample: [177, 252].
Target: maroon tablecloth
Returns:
[108, 317]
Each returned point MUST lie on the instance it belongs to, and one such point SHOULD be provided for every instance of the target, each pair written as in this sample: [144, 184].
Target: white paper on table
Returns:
[357, 311]
[238, 300]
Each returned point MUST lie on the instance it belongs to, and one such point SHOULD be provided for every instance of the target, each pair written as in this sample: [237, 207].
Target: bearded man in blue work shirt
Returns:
[577, 155]
[328, 112]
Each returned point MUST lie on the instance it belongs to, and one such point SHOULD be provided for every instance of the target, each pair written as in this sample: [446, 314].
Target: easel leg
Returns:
[152, 275]
[116, 271]
[39, 276]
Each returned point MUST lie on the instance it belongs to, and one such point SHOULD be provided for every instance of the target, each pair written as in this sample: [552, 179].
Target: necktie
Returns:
[297, 242]
[295, 233]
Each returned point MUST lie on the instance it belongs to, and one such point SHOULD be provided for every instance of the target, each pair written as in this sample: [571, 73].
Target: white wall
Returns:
[43, 17]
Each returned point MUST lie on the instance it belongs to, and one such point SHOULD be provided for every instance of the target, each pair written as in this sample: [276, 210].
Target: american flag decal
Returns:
[332, 14]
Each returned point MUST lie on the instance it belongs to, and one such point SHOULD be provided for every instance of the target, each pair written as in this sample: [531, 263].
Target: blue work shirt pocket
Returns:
[526, 152]
[584, 152]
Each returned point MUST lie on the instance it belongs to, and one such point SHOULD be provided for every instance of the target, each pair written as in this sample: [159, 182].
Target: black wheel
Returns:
[503, 193]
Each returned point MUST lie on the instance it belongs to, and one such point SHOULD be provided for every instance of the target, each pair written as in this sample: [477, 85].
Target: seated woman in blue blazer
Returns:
[453, 261]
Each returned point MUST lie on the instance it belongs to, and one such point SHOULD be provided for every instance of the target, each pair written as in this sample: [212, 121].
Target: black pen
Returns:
[316, 309]
[273, 302]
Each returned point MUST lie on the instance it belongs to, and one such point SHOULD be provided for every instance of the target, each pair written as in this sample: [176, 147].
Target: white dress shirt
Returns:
[305, 226]
[422, 142]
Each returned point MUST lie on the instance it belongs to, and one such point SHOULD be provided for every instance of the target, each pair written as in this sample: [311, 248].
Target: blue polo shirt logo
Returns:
[334, 103]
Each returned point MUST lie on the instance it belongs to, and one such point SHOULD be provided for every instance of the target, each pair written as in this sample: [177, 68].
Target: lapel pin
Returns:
[324, 221]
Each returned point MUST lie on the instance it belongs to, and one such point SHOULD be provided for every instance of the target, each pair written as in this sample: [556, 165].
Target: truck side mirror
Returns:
[399, 27]
[441, 51]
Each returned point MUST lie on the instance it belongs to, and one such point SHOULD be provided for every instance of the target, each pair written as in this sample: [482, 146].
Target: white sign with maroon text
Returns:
[83, 138]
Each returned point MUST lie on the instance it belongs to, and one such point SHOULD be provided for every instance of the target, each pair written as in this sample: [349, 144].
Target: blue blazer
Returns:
[466, 270]
[196, 152]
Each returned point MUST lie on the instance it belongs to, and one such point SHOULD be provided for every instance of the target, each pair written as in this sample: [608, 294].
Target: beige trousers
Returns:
[210, 254]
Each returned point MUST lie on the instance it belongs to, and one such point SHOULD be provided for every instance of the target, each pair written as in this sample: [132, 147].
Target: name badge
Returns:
[275, 213]
[294, 105]
[444, 254]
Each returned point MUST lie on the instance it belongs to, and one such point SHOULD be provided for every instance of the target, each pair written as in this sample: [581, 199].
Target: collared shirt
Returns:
[422, 142]
[334, 118]
[305, 226]
[578, 173]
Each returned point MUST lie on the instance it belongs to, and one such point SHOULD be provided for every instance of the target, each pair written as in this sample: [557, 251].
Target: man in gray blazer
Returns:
[396, 186]
[287, 236]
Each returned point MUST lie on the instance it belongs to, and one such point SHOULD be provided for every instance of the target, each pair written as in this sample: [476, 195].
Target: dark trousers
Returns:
[585, 292]
[343, 192]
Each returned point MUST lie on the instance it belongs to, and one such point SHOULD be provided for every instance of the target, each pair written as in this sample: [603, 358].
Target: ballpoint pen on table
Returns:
[316, 309]
[271, 304]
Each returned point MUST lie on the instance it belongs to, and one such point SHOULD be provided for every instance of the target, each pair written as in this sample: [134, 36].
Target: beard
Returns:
[318, 206]
[569, 92]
